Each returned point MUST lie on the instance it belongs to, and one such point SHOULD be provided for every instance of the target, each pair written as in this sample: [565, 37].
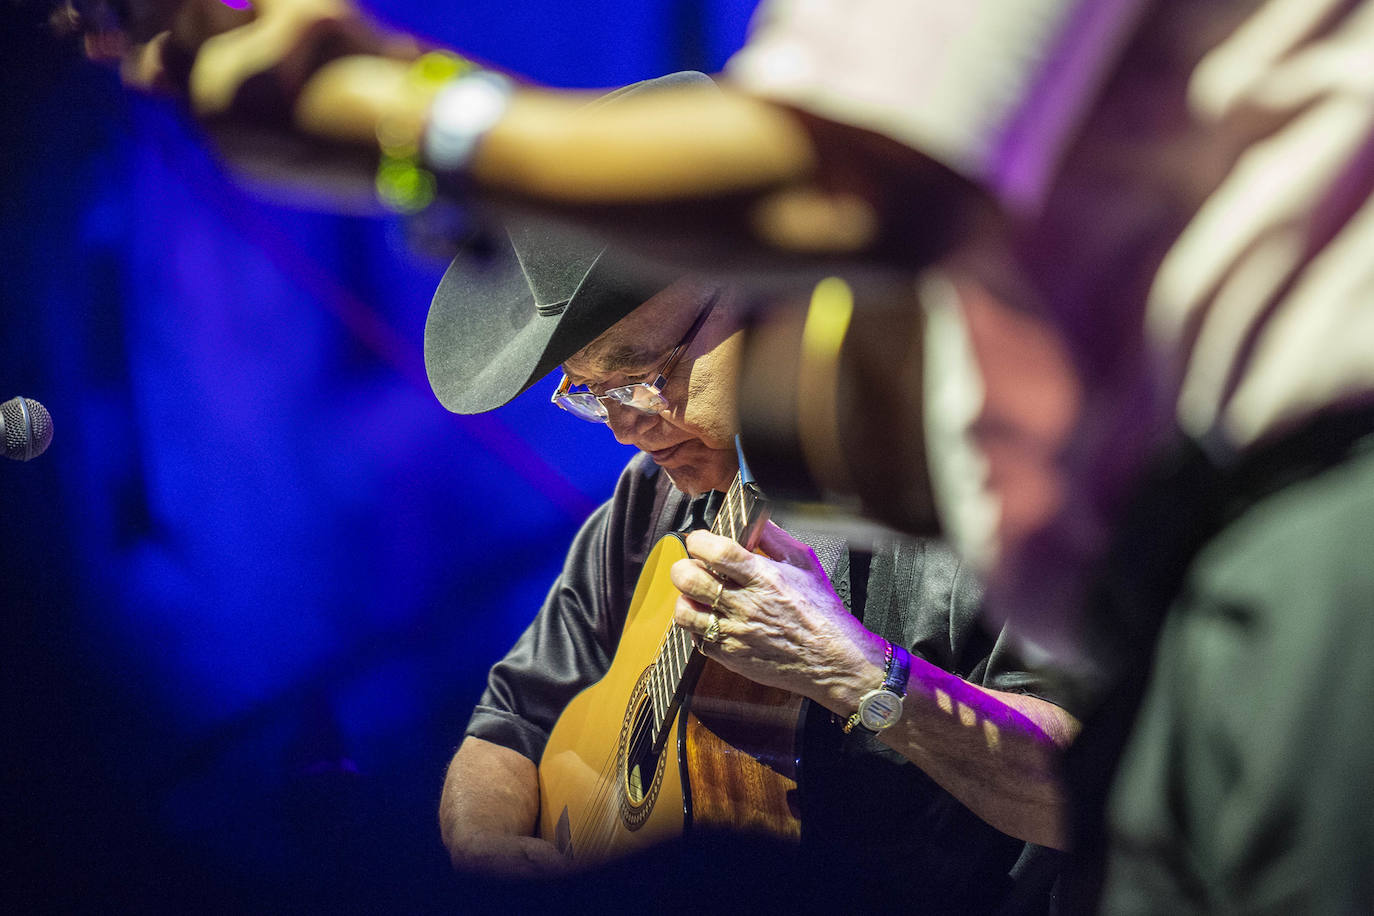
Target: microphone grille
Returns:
[28, 428]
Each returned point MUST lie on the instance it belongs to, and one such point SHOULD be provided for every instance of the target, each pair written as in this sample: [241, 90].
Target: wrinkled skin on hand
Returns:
[781, 623]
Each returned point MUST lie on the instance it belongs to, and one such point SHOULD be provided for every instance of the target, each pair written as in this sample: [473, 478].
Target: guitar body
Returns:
[727, 760]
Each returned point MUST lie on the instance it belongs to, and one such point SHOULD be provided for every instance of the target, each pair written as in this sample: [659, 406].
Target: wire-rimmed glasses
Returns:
[645, 397]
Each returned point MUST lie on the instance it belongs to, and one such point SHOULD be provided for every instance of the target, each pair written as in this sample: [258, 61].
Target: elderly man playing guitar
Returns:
[914, 743]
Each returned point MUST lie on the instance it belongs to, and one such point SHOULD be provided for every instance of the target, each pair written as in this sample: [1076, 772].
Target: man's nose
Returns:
[627, 424]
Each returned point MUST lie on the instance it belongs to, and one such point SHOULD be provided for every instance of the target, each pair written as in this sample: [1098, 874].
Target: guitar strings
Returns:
[596, 834]
[674, 645]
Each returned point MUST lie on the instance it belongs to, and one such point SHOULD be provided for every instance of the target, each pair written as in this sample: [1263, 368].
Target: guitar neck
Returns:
[741, 518]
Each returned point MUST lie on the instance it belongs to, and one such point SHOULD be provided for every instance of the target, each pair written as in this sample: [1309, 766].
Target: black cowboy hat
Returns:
[501, 320]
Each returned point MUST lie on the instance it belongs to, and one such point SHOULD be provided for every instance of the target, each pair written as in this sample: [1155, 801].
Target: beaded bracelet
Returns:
[402, 183]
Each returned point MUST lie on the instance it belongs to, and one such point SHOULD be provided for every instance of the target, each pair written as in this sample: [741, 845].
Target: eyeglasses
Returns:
[644, 397]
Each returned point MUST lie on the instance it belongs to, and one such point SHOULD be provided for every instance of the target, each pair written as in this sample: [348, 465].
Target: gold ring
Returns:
[712, 634]
[720, 590]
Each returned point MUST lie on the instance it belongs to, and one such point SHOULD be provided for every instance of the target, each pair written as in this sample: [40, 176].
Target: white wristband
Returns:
[463, 111]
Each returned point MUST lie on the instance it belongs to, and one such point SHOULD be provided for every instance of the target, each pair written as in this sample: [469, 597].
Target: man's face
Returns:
[693, 441]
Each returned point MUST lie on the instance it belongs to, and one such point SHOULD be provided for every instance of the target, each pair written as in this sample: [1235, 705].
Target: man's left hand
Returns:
[778, 621]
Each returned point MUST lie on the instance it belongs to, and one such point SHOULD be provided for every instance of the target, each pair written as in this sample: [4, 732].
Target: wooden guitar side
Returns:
[741, 753]
[733, 766]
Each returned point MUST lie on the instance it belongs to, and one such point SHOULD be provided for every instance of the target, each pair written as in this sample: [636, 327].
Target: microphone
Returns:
[25, 427]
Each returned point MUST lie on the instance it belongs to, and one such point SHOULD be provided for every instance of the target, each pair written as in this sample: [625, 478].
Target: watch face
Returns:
[879, 709]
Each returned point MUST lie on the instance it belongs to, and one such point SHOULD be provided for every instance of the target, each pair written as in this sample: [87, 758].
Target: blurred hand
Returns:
[292, 92]
[248, 65]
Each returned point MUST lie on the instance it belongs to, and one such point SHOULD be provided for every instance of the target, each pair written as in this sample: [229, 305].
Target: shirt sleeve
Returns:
[571, 641]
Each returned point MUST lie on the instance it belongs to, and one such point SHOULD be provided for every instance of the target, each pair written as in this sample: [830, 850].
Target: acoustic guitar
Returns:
[669, 740]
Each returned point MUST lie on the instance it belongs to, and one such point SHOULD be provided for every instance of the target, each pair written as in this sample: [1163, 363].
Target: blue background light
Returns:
[251, 592]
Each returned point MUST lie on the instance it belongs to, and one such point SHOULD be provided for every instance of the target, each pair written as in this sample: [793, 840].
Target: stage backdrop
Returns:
[251, 591]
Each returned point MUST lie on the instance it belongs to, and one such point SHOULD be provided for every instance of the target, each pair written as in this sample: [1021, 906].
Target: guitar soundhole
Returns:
[639, 770]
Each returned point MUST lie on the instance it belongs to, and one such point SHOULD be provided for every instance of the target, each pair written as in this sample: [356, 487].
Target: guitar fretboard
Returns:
[740, 518]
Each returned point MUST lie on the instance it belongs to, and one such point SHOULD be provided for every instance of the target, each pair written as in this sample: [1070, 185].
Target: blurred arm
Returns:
[715, 177]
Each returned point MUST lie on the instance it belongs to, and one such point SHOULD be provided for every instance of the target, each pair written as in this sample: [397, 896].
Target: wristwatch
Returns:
[882, 707]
